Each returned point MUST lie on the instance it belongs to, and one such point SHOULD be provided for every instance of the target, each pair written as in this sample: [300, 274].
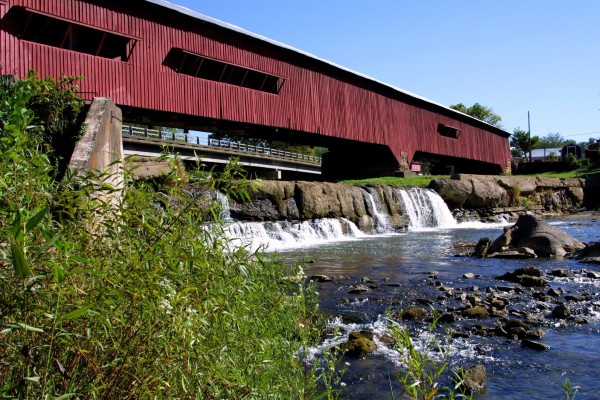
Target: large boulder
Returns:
[470, 191]
[454, 192]
[536, 234]
[486, 192]
[271, 201]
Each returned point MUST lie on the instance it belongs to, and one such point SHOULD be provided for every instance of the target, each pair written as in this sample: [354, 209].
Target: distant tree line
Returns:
[521, 142]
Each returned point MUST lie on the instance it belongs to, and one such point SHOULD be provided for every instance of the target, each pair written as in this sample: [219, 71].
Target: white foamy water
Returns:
[433, 345]
[424, 209]
[285, 235]
[381, 220]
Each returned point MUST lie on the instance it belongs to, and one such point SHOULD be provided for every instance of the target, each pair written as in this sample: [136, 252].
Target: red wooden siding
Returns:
[315, 98]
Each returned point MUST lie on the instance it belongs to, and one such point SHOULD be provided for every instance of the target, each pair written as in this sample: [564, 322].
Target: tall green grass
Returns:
[142, 299]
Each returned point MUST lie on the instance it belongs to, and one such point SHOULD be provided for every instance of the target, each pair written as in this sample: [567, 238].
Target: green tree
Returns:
[522, 141]
[552, 156]
[485, 114]
[551, 140]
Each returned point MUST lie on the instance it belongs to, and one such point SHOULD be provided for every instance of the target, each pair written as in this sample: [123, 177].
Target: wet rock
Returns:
[528, 277]
[472, 380]
[447, 318]
[591, 274]
[321, 278]
[542, 297]
[424, 301]
[536, 334]
[529, 271]
[532, 344]
[358, 345]
[515, 323]
[364, 333]
[561, 311]
[591, 260]
[513, 328]
[505, 288]
[482, 246]
[592, 250]
[359, 289]
[532, 281]
[469, 275]
[534, 233]
[561, 273]
[498, 312]
[460, 334]
[414, 313]
[575, 298]
[499, 303]
[447, 291]
[477, 312]
[554, 292]
[515, 254]
[483, 330]
[464, 244]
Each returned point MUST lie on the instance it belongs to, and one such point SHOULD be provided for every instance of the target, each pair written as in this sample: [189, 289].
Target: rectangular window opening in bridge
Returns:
[448, 131]
[54, 31]
[202, 67]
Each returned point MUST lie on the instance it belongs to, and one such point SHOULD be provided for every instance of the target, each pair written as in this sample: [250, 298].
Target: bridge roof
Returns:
[225, 25]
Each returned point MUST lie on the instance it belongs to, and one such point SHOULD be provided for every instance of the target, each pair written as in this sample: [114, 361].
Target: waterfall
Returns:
[281, 235]
[381, 220]
[224, 213]
[425, 208]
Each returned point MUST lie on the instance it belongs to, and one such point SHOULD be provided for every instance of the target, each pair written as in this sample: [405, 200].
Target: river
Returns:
[409, 269]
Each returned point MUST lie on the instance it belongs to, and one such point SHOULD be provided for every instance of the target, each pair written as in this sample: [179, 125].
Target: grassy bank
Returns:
[592, 172]
[138, 301]
[421, 181]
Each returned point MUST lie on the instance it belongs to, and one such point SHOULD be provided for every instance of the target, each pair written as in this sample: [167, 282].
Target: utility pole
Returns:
[529, 135]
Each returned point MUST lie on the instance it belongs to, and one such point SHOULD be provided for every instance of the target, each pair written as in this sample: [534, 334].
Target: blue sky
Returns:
[514, 56]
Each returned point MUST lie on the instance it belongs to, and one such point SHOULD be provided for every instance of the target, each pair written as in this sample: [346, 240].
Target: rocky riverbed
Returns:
[529, 322]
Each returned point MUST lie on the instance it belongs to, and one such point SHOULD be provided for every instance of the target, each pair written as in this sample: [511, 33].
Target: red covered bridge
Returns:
[167, 65]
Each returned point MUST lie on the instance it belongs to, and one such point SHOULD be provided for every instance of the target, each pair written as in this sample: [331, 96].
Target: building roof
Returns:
[225, 25]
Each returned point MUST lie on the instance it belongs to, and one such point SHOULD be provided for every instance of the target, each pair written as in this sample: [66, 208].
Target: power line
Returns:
[566, 122]
[581, 134]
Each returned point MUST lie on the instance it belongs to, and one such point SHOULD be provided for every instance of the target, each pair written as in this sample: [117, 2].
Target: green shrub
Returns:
[54, 111]
[146, 301]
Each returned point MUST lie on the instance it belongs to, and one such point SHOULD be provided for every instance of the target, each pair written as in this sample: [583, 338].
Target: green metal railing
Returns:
[130, 130]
